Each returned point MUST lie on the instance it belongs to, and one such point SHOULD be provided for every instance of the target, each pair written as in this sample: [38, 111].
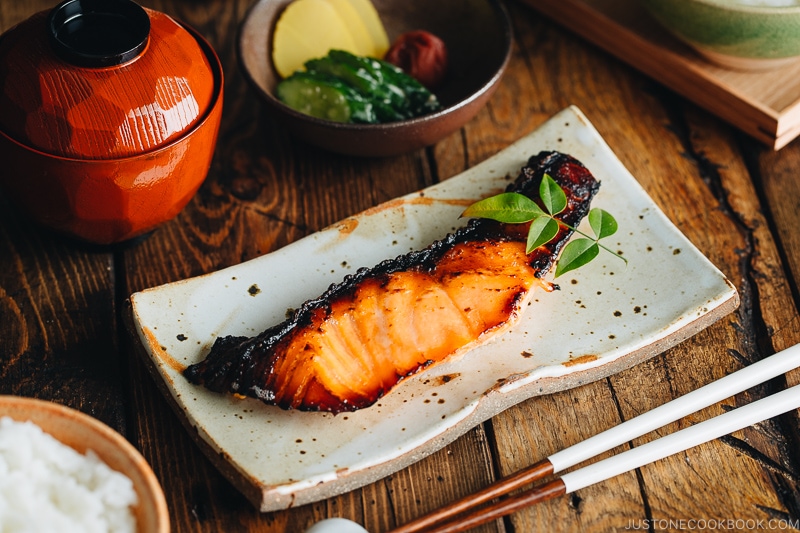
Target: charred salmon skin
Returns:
[350, 346]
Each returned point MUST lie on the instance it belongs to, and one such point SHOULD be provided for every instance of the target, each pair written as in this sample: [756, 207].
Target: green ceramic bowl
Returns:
[739, 34]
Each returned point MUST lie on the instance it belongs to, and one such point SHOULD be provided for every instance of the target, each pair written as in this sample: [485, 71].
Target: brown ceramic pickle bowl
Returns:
[83, 432]
[478, 37]
[109, 115]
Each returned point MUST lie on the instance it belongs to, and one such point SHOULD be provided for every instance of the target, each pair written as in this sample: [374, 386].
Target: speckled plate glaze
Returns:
[606, 317]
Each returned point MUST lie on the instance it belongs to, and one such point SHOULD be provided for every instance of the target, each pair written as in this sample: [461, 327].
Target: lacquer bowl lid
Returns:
[101, 79]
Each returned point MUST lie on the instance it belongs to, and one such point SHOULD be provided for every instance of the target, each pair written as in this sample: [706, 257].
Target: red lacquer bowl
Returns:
[109, 114]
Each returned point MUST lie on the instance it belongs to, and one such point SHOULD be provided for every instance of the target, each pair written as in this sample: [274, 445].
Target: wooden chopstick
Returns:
[441, 520]
[499, 488]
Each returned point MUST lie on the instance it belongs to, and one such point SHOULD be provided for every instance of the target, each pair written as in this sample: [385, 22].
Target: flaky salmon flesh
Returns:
[352, 345]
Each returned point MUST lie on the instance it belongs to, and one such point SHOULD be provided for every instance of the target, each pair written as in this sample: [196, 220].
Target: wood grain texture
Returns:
[52, 345]
[691, 187]
[734, 198]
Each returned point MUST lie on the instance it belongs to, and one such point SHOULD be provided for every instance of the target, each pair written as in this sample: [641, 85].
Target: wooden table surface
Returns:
[63, 338]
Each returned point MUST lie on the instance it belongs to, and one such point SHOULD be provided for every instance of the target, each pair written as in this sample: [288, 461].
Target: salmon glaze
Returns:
[350, 346]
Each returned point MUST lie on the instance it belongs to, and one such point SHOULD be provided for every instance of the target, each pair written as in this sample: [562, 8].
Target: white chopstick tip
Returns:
[724, 424]
[716, 391]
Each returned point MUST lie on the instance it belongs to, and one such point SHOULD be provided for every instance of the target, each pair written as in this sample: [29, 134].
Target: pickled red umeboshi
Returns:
[422, 55]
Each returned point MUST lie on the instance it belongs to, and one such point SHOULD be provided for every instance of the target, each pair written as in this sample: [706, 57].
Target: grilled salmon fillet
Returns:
[347, 348]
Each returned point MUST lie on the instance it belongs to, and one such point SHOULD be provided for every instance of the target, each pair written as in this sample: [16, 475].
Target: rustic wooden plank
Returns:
[53, 345]
[61, 339]
[731, 231]
[775, 275]
[647, 127]
[749, 458]
[780, 190]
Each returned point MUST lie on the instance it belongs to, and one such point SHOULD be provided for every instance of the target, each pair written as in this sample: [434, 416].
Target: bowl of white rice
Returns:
[736, 34]
[64, 471]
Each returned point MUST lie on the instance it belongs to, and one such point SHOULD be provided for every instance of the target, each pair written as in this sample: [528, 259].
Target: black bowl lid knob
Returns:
[98, 33]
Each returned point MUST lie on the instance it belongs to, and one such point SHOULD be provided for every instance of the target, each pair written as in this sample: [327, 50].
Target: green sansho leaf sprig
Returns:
[516, 208]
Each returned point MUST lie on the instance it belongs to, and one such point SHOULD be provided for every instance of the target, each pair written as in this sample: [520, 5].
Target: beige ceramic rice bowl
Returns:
[103, 479]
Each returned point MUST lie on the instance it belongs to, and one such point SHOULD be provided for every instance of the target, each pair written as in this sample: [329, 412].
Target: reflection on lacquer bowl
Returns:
[109, 114]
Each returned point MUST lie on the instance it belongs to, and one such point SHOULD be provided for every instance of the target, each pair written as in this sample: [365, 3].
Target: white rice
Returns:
[46, 486]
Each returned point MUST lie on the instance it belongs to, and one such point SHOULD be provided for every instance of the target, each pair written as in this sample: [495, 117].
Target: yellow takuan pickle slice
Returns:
[362, 37]
[309, 29]
[372, 21]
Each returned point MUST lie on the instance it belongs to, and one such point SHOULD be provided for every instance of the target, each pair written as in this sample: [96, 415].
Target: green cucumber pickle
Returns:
[325, 97]
[343, 87]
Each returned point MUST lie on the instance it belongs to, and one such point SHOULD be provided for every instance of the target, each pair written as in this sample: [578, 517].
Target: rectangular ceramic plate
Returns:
[606, 317]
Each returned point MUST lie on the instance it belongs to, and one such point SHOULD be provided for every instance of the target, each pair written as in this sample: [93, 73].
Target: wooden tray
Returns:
[765, 104]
